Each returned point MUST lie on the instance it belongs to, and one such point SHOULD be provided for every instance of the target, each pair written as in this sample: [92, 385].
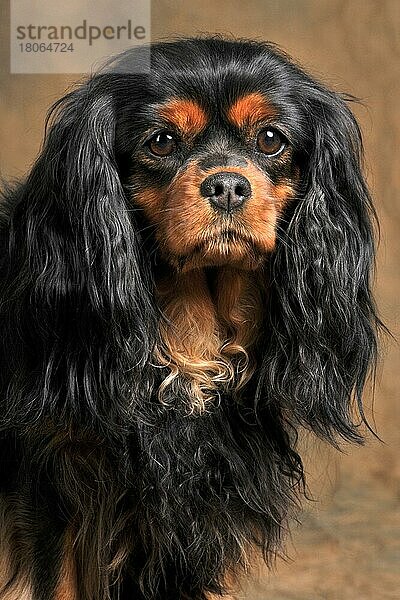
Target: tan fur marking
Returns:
[201, 240]
[150, 199]
[253, 565]
[231, 583]
[66, 588]
[283, 192]
[208, 340]
[186, 115]
[191, 337]
[21, 588]
[240, 297]
[250, 109]
[192, 235]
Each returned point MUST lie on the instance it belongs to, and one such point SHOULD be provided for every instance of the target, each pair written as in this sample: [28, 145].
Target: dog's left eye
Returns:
[271, 142]
[162, 143]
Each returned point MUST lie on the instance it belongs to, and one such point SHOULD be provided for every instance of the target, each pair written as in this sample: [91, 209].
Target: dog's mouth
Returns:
[228, 246]
[227, 240]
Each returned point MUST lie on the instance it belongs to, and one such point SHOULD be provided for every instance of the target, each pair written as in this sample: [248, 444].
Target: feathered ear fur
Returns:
[76, 303]
[322, 320]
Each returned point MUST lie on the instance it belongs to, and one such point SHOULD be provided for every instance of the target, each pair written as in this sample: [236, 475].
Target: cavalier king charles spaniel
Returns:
[185, 285]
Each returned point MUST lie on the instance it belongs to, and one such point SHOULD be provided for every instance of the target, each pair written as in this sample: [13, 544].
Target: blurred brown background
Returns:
[348, 544]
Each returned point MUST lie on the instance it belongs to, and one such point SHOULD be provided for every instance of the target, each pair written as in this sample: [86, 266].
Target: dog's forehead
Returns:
[238, 83]
[192, 114]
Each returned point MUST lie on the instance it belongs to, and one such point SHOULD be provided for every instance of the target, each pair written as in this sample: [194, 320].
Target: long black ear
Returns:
[76, 309]
[322, 321]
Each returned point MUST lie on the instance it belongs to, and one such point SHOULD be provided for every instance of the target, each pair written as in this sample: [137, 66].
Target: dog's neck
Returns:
[212, 322]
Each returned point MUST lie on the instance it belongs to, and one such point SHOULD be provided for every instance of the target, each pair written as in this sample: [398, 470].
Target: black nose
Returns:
[227, 191]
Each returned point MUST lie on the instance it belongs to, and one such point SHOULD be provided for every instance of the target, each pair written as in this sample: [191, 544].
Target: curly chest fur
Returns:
[210, 331]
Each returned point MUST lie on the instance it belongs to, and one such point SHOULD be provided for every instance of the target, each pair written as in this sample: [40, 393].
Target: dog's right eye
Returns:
[162, 143]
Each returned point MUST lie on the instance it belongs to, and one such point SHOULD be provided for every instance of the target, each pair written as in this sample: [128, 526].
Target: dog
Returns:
[185, 285]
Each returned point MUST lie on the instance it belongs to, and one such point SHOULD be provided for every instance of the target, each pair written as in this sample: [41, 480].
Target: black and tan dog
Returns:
[184, 282]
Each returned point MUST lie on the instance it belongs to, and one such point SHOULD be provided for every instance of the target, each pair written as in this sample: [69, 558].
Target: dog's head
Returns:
[213, 152]
[225, 157]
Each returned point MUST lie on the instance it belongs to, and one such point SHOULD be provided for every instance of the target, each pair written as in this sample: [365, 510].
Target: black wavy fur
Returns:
[162, 503]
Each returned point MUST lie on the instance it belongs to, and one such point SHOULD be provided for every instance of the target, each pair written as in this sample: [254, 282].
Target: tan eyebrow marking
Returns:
[186, 115]
[251, 108]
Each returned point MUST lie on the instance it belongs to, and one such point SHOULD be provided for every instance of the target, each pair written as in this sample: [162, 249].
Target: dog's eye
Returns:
[271, 142]
[162, 143]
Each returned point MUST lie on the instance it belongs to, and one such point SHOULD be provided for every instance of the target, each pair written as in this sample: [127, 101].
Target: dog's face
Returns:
[213, 167]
